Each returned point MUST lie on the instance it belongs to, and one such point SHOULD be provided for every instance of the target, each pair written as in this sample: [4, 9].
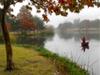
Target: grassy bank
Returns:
[62, 64]
[27, 62]
[38, 61]
[32, 33]
[44, 33]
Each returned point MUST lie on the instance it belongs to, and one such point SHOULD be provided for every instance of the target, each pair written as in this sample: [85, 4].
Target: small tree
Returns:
[14, 22]
[39, 23]
[26, 20]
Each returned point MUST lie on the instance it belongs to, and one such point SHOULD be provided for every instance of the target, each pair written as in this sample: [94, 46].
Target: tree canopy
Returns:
[39, 23]
[59, 7]
[26, 19]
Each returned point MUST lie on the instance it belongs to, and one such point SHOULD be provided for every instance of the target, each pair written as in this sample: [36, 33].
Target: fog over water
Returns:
[67, 42]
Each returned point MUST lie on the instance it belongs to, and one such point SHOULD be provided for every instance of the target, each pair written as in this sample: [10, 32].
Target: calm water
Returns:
[69, 46]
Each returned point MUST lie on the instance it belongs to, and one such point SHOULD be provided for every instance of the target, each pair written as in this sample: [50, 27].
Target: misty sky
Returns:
[86, 13]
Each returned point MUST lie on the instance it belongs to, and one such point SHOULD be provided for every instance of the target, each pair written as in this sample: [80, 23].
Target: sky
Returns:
[90, 13]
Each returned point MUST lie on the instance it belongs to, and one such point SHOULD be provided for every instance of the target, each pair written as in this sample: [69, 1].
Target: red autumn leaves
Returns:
[87, 2]
[52, 7]
[45, 17]
[65, 1]
[60, 7]
[27, 23]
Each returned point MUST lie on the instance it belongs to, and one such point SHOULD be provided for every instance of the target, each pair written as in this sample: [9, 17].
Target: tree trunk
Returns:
[9, 65]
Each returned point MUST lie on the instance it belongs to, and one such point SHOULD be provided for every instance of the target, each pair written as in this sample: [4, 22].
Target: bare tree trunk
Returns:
[10, 64]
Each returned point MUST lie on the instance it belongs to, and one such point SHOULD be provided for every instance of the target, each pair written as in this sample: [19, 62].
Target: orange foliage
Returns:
[45, 18]
[27, 23]
[26, 20]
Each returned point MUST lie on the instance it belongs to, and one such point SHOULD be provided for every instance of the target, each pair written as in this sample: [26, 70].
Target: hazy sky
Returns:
[86, 13]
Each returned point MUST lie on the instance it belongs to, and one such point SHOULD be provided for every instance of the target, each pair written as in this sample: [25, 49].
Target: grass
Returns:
[27, 62]
[38, 33]
[45, 33]
[38, 61]
[32, 61]
[63, 64]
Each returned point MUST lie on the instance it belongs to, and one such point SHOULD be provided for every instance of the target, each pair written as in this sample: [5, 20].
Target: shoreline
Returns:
[64, 65]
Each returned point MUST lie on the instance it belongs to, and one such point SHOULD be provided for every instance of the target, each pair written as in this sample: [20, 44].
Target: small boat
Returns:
[84, 44]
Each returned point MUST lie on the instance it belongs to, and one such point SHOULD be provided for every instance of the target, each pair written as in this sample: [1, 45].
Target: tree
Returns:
[26, 20]
[59, 7]
[39, 23]
[13, 23]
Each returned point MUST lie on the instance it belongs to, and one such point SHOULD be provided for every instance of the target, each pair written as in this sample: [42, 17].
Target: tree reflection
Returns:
[31, 40]
[77, 36]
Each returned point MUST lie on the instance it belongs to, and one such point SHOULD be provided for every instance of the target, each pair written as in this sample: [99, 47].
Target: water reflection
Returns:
[68, 45]
[32, 40]
[78, 35]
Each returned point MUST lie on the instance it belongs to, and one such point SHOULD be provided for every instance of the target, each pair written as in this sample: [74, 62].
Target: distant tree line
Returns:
[80, 24]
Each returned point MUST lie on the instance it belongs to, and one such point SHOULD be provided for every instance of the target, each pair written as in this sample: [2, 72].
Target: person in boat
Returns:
[84, 44]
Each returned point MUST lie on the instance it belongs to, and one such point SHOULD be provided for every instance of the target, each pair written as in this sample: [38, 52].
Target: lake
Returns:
[69, 45]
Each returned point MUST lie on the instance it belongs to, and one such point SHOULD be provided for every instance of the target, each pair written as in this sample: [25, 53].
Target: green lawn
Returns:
[27, 62]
